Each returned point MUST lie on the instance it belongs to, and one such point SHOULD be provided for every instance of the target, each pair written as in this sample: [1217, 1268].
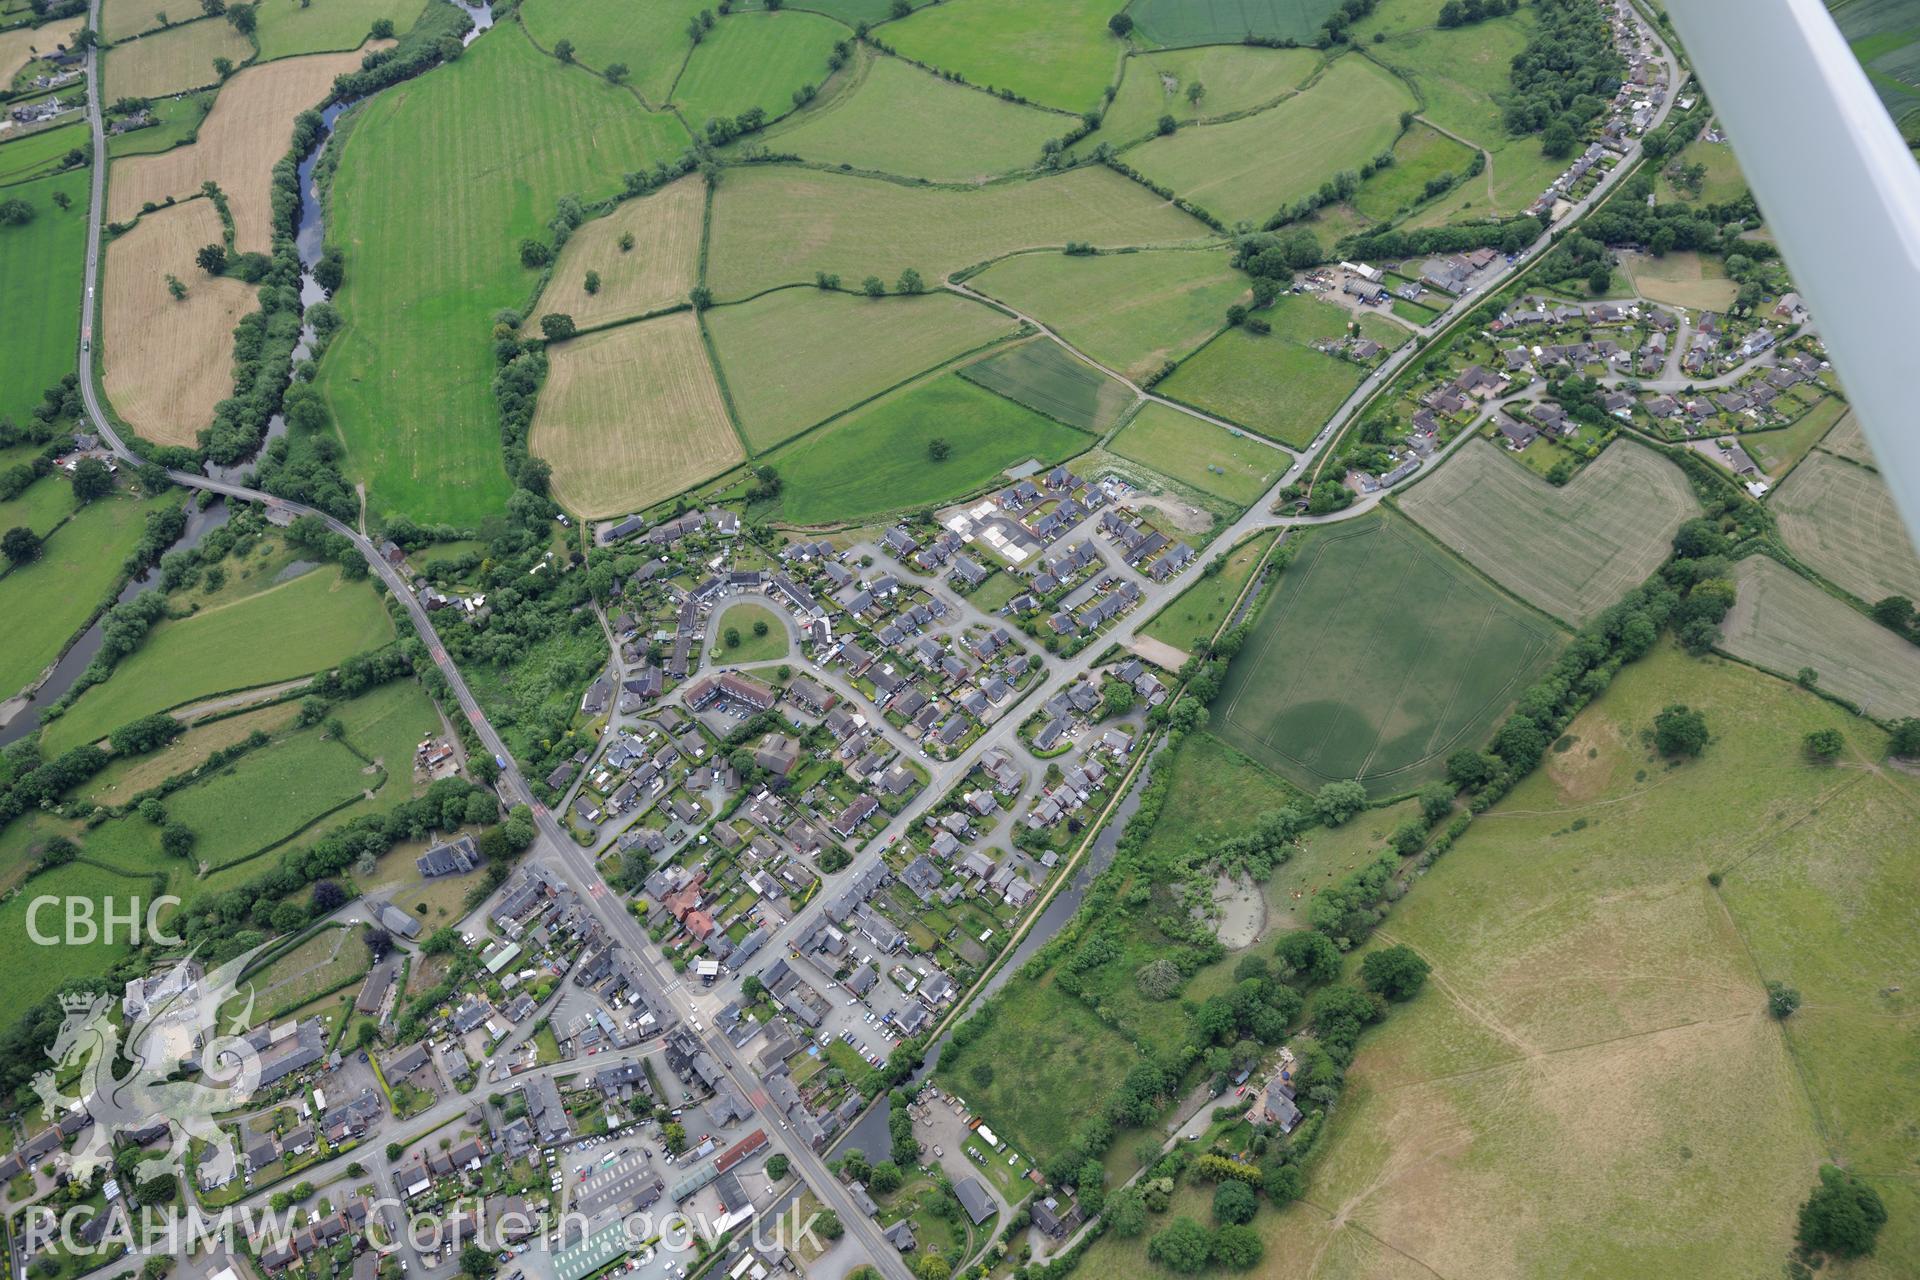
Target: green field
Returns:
[779, 225]
[1596, 1004]
[1232, 78]
[1130, 311]
[875, 459]
[1778, 452]
[1570, 551]
[46, 502]
[1268, 384]
[178, 120]
[41, 265]
[755, 60]
[1723, 184]
[1377, 655]
[1839, 518]
[1041, 375]
[796, 357]
[1785, 623]
[416, 346]
[1885, 36]
[888, 115]
[1198, 453]
[315, 620]
[36, 972]
[39, 154]
[650, 38]
[1250, 168]
[1421, 155]
[1058, 54]
[1190, 620]
[267, 796]
[752, 648]
[289, 27]
[47, 600]
[1184, 22]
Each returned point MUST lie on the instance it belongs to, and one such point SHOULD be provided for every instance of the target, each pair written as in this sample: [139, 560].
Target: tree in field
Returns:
[626, 242]
[175, 288]
[244, 18]
[760, 626]
[1234, 1201]
[19, 544]
[557, 325]
[732, 637]
[1121, 25]
[382, 29]
[938, 449]
[1824, 745]
[910, 283]
[1895, 613]
[700, 296]
[1159, 979]
[1237, 1247]
[1308, 957]
[617, 72]
[1166, 125]
[213, 8]
[535, 253]
[873, 287]
[223, 67]
[1843, 1216]
[563, 50]
[1678, 731]
[15, 212]
[62, 201]
[1184, 1246]
[1782, 1000]
[900, 8]
[1906, 739]
[1395, 972]
[592, 283]
[1337, 801]
[211, 258]
[1195, 92]
[176, 839]
[91, 480]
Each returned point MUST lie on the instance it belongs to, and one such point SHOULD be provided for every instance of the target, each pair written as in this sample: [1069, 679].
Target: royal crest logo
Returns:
[127, 1085]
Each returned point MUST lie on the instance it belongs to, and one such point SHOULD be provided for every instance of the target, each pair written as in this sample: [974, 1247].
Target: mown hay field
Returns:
[1839, 518]
[778, 225]
[796, 357]
[1784, 623]
[22, 45]
[1267, 383]
[1198, 453]
[1683, 279]
[1130, 311]
[632, 415]
[429, 212]
[289, 27]
[1595, 1003]
[41, 266]
[1376, 656]
[1570, 551]
[1848, 441]
[166, 62]
[1252, 167]
[876, 460]
[124, 19]
[1186, 22]
[887, 115]
[42, 154]
[242, 138]
[315, 621]
[755, 59]
[1041, 375]
[650, 38]
[1058, 54]
[657, 272]
[1232, 78]
[1421, 155]
[168, 362]
[46, 600]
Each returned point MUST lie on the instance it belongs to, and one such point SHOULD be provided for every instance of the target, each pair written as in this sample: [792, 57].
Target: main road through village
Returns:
[554, 842]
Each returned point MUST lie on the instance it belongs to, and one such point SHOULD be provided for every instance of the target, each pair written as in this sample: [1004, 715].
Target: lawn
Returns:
[416, 346]
[1185, 22]
[887, 115]
[1189, 621]
[1784, 623]
[1250, 168]
[657, 272]
[41, 265]
[1210, 458]
[755, 60]
[875, 460]
[651, 39]
[780, 225]
[1232, 78]
[47, 600]
[166, 62]
[1268, 384]
[1376, 656]
[1596, 1003]
[1839, 518]
[1058, 54]
[1421, 155]
[632, 415]
[797, 357]
[316, 620]
[288, 26]
[1132, 312]
[1571, 551]
[1042, 375]
[752, 648]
